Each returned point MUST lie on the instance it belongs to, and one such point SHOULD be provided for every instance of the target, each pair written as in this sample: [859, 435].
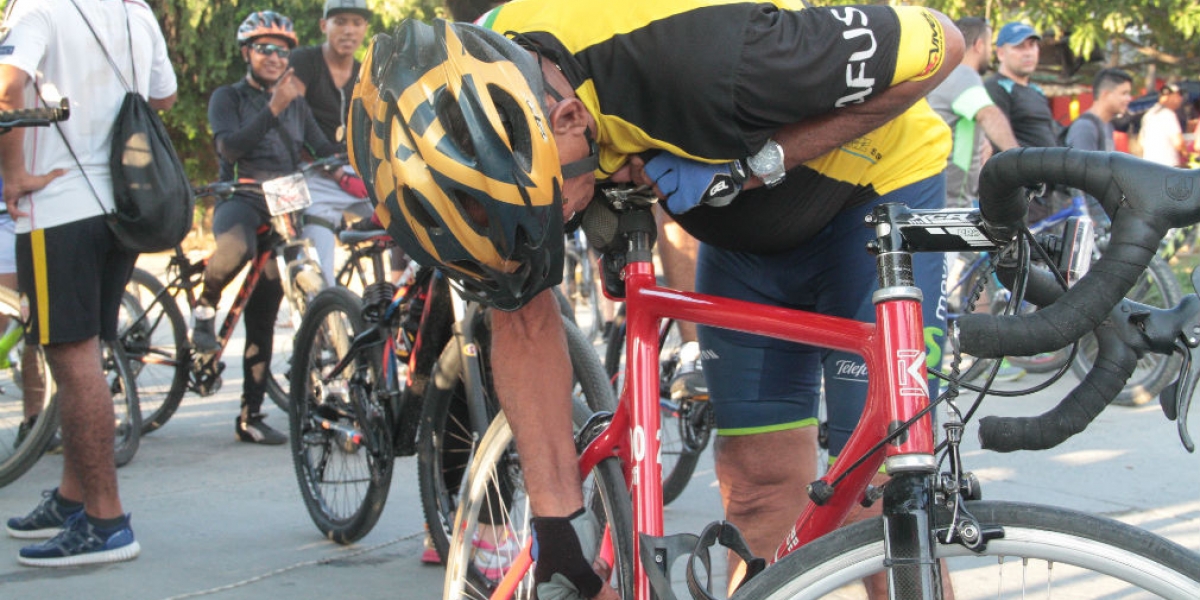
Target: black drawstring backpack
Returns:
[151, 193]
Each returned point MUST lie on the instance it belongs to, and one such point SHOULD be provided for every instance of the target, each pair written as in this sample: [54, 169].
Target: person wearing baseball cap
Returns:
[329, 72]
[1161, 134]
[1021, 100]
[1011, 89]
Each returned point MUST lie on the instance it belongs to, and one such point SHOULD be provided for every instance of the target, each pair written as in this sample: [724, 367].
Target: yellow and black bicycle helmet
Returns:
[448, 129]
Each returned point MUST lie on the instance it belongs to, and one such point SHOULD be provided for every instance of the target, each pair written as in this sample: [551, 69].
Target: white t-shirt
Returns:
[50, 41]
[1159, 125]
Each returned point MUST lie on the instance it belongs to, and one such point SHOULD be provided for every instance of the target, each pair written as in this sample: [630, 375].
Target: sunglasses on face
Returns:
[269, 49]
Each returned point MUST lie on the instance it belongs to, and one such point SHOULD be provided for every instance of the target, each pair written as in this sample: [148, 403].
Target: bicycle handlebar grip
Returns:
[1144, 199]
[1114, 364]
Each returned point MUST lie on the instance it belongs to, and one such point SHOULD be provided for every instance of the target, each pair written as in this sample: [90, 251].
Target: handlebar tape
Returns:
[1144, 199]
[1114, 364]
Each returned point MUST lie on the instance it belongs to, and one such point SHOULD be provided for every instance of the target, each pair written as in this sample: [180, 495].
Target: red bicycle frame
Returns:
[894, 352]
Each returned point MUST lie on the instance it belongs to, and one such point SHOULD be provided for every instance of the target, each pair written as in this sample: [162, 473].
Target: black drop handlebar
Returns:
[1145, 200]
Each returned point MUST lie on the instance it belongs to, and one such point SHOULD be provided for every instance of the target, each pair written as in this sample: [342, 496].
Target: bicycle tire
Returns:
[154, 335]
[1156, 287]
[447, 441]
[128, 413]
[306, 284]
[1125, 554]
[18, 455]
[496, 498]
[685, 427]
[344, 483]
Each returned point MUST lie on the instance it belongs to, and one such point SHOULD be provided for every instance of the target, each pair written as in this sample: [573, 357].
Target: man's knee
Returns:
[762, 470]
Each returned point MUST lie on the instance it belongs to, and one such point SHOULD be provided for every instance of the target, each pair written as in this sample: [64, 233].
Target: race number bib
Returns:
[286, 194]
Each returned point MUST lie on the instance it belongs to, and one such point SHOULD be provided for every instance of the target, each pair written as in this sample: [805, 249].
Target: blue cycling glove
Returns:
[688, 183]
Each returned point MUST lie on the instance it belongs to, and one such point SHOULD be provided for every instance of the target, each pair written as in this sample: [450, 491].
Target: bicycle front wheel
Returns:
[1066, 553]
[22, 443]
[493, 526]
[154, 336]
[447, 440]
[339, 435]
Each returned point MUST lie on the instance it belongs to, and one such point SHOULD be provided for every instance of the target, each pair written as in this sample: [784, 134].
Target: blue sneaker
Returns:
[80, 543]
[46, 520]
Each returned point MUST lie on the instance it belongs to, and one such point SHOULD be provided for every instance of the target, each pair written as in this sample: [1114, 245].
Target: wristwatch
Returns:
[767, 164]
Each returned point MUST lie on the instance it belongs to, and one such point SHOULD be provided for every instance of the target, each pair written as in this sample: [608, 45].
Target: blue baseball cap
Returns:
[1015, 33]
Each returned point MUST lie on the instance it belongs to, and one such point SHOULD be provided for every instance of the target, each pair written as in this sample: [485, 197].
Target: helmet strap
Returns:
[586, 164]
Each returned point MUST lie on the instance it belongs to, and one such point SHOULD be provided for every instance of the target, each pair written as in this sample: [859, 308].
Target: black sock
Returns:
[66, 505]
[107, 525]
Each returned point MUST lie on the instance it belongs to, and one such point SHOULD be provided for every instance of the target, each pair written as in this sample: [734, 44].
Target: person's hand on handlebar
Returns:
[684, 183]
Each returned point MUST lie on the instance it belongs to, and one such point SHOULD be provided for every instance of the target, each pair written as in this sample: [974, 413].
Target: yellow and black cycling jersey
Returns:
[714, 79]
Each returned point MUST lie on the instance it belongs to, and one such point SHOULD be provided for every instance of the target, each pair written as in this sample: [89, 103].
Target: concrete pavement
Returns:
[222, 519]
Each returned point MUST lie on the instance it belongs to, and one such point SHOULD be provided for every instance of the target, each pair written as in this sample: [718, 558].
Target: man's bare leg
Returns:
[677, 249]
[763, 496]
[86, 411]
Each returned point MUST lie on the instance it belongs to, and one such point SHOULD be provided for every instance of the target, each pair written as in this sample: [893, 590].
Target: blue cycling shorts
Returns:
[759, 384]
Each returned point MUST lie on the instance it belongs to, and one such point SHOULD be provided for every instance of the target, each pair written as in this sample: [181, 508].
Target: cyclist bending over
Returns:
[497, 140]
[259, 126]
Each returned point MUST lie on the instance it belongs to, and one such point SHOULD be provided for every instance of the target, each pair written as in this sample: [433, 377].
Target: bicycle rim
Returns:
[339, 435]
[20, 450]
[127, 411]
[492, 526]
[447, 439]
[1045, 552]
[154, 335]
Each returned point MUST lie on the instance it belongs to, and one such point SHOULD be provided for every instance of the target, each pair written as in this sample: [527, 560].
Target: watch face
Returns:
[768, 162]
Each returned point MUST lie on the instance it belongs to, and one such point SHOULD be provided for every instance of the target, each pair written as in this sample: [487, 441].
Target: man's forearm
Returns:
[996, 127]
[818, 136]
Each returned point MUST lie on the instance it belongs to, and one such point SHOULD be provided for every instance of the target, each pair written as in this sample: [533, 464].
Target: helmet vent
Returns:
[414, 207]
[516, 126]
[451, 116]
[473, 209]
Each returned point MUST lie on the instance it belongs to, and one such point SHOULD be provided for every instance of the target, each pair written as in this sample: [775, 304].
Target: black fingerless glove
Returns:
[557, 549]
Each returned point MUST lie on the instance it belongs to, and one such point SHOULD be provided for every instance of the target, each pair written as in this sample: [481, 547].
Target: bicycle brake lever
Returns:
[1176, 398]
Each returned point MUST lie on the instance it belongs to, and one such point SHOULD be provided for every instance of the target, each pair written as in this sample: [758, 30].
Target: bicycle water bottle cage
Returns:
[717, 532]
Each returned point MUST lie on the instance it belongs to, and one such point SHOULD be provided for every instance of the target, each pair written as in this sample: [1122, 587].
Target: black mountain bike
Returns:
[155, 333]
[402, 371]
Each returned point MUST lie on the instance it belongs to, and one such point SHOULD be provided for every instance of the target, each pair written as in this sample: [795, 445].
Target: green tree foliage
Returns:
[202, 38]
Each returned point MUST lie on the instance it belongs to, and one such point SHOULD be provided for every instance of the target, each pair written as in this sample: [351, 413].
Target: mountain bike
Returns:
[403, 371]
[928, 513]
[21, 447]
[155, 335]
